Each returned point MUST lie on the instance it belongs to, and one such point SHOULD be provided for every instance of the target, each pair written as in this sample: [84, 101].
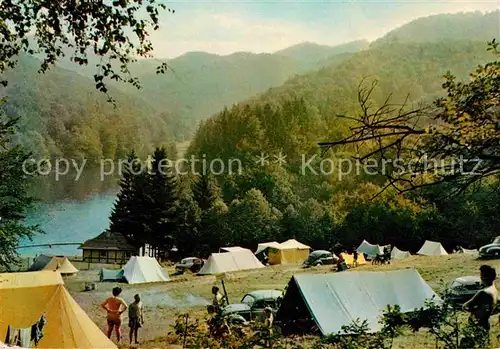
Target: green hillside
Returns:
[401, 69]
[63, 115]
[439, 28]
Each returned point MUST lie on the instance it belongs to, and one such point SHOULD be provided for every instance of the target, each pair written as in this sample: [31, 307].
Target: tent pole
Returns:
[225, 293]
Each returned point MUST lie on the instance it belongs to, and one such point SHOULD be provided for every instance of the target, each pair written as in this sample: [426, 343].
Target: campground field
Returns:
[189, 293]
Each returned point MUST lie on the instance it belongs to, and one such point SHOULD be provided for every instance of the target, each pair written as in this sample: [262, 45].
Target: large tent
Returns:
[370, 250]
[233, 260]
[288, 252]
[59, 263]
[330, 301]
[432, 248]
[398, 254]
[349, 258]
[26, 296]
[140, 270]
[111, 275]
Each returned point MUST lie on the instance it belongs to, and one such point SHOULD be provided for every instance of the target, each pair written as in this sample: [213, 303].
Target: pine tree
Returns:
[160, 201]
[128, 216]
[205, 192]
[15, 176]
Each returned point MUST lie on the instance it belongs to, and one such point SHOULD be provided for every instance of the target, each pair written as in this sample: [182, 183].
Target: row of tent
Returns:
[230, 259]
[429, 248]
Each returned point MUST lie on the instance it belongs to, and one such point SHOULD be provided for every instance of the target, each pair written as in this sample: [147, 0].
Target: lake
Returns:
[69, 211]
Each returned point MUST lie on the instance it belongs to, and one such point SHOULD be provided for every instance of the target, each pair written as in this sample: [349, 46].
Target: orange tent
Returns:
[24, 297]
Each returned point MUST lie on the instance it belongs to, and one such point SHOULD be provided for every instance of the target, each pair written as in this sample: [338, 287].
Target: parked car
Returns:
[491, 250]
[252, 305]
[320, 257]
[463, 288]
[190, 263]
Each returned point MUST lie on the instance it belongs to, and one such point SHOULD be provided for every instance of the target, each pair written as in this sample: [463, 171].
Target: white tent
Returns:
[466, 251]
[273, 244]
[144, 269]
[234, 260]
[432, 248]
[370, 250]
[397, 254]
[336, 299]
[292, 243]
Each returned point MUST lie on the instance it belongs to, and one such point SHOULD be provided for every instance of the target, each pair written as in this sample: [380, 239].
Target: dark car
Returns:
[193, 264]
[253, 304]
[463, 288]
[491, 250]
[320, 257]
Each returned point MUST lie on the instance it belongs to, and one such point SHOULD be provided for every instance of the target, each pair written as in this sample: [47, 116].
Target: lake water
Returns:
[69, 212]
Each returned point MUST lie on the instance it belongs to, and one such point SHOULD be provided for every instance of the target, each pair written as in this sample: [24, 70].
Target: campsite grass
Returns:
[437, 271]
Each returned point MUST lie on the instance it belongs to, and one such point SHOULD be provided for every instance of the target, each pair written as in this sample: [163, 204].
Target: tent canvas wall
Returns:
[59, 263]
[398, 254]
[237, 259]
[111, 275]
[369, 249]
[26, 296]
[289, 252]
[432, 248]
[349, 258]
[265, 245]
[140, 270]
[331, 301]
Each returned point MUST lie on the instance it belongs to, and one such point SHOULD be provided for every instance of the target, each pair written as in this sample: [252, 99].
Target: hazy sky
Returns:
[225, 27]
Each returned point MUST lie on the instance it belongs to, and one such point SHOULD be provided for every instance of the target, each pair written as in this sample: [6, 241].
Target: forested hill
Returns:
[63, 115]
[325, 205]
[200, 84]
[439, 28]
[401, 69]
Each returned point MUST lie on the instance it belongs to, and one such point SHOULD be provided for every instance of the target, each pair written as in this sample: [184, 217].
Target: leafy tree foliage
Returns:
[117, 31]
[462, 145]
[15, 178]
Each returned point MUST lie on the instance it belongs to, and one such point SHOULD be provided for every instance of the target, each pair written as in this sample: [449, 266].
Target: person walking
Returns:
[115, 307]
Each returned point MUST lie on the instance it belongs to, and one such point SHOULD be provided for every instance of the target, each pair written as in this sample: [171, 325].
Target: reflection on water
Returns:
[69, 211]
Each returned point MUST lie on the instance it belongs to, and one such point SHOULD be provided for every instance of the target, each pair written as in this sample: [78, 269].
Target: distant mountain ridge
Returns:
[62, 106]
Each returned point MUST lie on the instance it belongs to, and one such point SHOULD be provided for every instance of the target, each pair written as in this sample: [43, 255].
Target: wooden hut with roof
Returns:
[109, 248]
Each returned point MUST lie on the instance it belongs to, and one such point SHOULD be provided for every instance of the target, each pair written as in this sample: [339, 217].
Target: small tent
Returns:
[432, 248]
[349, 258]
[397, 254]
[140, 270]
[26, 296]
[288, 252]
[466, 251]
[369, 249]
[234, 260]
[265, 245]
[329, 301]
[59, 263]
[111, 275]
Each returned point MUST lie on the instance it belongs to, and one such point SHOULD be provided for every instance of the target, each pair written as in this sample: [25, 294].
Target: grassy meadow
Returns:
[190, 293]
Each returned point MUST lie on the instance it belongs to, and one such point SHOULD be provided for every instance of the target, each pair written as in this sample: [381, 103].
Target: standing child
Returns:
[135, 317]
[115, 307]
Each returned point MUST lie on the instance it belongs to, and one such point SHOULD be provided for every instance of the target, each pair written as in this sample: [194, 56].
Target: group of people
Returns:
[115, 307]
